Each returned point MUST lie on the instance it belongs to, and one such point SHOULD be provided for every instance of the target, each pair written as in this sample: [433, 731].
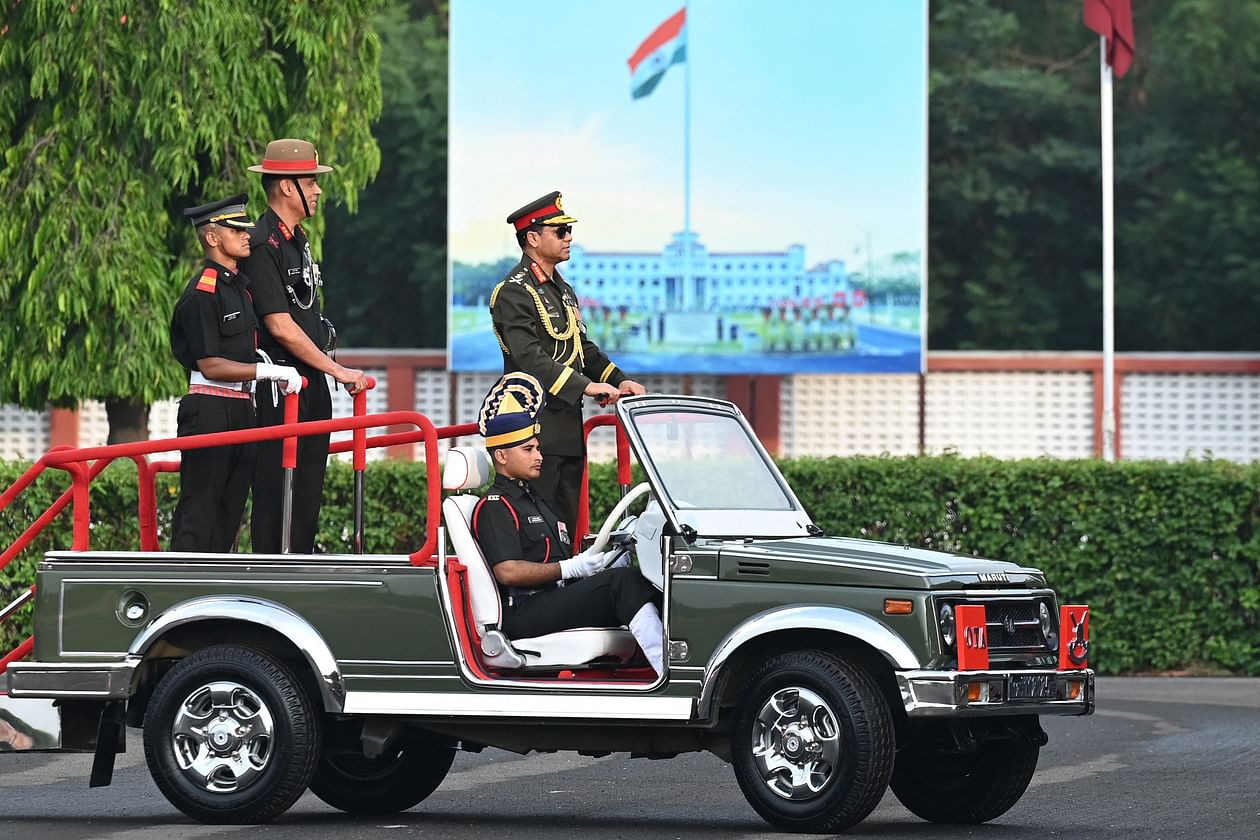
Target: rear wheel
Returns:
[966, 788]
[398, 779]
[812, 743]
[230, 736]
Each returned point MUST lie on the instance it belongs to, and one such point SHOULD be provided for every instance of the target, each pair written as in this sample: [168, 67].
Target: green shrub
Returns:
[1166, 554]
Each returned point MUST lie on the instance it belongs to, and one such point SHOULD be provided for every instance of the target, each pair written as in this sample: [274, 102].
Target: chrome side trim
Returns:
[255, 611]
[70, 680]
[517, 705]
[844, 622]
[928, 694]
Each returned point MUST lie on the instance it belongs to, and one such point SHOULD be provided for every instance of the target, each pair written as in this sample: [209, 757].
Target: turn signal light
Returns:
[892, 606]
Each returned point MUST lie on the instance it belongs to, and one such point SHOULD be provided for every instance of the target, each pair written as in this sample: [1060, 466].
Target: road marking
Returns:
[501, 771]
[1163, 726]
[1078, 772]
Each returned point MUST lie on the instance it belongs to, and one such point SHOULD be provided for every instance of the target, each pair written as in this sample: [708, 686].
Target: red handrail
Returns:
[623, 468]
[84, 464]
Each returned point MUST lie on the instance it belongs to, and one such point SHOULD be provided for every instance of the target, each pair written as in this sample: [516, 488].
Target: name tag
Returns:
[231, 316]
[535, 520]
[294, 272]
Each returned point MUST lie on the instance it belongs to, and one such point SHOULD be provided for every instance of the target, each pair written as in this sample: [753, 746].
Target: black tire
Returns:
[399, 779]
[967, 788]
[824, 716]
[252, 758]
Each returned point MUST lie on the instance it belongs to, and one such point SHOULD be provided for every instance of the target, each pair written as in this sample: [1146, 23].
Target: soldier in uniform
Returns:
[544, 589]
[286, 288]
[540, 330]
[213, 335]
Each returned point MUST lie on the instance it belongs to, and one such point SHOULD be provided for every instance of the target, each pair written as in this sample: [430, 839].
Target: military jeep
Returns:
[823, 668]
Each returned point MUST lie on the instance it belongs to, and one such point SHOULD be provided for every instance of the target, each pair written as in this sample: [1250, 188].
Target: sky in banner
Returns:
[808, 125]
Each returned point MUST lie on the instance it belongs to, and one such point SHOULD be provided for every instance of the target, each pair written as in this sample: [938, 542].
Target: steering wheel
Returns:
[601, 539]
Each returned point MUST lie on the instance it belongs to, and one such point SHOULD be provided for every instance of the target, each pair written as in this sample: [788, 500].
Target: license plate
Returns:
[1032, 687]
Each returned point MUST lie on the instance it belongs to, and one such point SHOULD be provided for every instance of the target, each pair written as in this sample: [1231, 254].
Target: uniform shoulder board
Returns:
[208, 281]
[516, 276]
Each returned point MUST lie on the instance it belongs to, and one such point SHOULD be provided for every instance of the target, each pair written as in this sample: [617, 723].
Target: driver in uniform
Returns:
[527, 545]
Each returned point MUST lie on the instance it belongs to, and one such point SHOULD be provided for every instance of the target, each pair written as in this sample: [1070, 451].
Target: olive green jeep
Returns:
[823, 668]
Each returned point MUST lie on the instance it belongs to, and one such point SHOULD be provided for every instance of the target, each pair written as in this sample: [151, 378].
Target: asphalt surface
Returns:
[1162, 758]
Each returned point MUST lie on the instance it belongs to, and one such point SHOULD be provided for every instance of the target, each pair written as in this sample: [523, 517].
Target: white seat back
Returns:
[466, 468]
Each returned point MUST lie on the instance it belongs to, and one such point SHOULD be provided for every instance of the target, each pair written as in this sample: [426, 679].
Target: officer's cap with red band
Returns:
[548, 210]
[290, 157]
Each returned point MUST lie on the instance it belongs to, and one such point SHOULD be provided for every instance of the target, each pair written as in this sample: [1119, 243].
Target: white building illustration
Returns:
[718, 282]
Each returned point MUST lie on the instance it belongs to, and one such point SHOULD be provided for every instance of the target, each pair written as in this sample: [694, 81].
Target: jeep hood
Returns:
[849, 562]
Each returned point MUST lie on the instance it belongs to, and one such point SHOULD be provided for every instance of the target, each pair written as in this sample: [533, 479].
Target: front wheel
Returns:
[398, 779]
[812, 743]
[969, 788]
[230, 736]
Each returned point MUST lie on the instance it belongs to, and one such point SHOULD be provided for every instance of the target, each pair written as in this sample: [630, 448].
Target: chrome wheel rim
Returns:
[222, 737]
[796, 743]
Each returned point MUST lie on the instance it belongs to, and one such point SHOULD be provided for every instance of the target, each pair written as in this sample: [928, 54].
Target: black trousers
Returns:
[608, 599]
[314, 403]
[560, 483]
[214, 482]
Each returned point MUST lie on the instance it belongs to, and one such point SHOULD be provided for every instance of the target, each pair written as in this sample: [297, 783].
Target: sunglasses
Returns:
[561, 230]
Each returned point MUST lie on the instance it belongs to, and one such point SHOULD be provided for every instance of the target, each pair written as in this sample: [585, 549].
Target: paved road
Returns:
[1162, 758]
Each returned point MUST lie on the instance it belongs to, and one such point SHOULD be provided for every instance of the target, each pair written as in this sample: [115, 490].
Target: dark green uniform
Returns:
[540, 330]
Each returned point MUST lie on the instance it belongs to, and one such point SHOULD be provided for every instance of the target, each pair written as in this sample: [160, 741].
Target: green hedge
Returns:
[1167, 554]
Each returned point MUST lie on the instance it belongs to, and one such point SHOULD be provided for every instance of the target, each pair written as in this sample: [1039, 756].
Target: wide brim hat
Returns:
[509, 411]
[290, 157]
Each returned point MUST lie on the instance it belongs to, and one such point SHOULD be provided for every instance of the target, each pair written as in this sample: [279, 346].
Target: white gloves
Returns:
[288, 377]
[583, 565]
[587, 564]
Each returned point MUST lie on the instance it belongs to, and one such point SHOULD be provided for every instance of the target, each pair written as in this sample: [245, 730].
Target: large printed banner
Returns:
[749, 179]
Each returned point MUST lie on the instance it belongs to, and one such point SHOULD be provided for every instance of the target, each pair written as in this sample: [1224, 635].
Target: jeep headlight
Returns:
[1047, 625]
[946, 616]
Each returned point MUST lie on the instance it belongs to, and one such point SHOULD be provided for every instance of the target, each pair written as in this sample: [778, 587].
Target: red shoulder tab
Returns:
[490, 498]
[209, 280]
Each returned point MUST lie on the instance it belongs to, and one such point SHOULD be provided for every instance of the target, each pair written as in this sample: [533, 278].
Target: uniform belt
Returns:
[216, 391]
[197, 378]
[517, 594]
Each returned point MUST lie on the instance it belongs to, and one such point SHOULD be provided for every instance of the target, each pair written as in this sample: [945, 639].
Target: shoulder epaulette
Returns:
[209, 280]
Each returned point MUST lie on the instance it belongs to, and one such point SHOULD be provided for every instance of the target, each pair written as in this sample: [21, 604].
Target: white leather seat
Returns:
[468, 468]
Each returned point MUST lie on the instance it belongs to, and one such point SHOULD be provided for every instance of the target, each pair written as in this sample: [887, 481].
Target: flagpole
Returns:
[1109, 267]
[687, 290]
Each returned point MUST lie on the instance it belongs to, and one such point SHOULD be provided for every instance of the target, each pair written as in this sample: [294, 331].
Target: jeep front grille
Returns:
[1012, 625]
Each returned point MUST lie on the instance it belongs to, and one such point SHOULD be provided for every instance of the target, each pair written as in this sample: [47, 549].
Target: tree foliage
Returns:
[1015, 190]
[113, 118]
[387, 262]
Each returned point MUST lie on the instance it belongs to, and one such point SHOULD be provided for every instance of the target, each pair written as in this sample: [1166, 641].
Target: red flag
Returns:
[1113, 19]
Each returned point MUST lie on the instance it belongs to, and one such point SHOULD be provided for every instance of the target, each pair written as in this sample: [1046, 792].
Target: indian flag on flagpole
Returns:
[664, 48]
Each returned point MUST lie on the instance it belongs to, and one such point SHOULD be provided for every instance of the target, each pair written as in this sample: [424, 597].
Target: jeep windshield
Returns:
[708, 469]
